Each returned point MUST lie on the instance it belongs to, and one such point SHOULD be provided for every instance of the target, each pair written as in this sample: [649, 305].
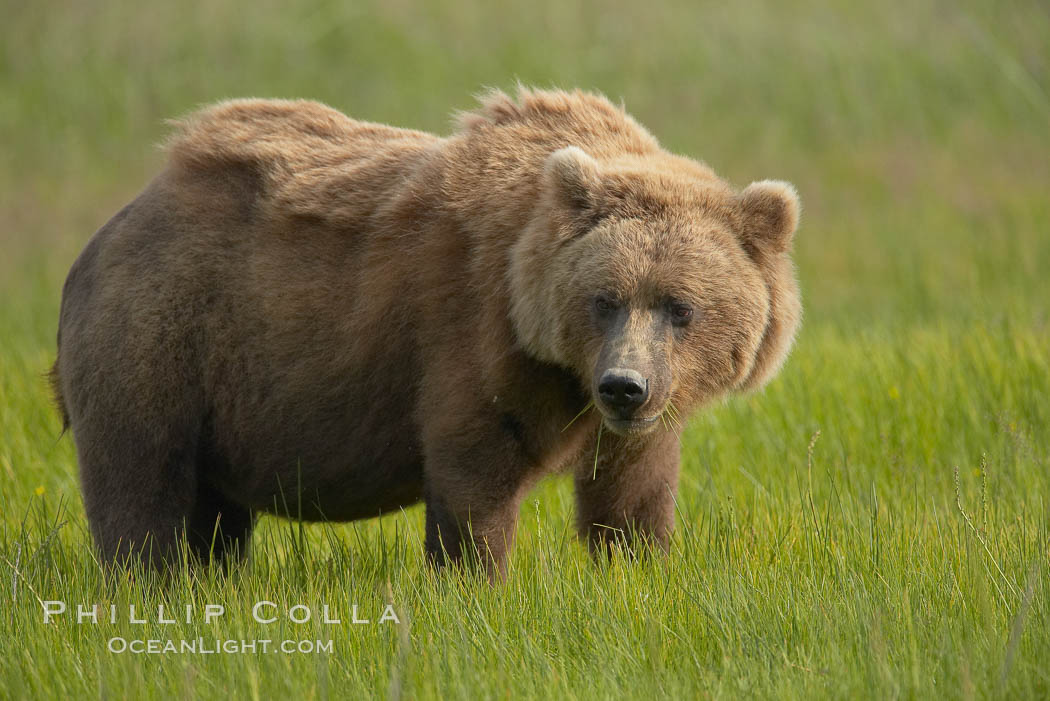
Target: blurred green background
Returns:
[918, 136]
[917, 133]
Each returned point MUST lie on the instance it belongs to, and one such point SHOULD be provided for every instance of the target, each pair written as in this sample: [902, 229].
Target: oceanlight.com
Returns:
[200, 646]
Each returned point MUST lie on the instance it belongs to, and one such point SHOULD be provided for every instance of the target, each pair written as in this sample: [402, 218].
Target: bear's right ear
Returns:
[572, 179]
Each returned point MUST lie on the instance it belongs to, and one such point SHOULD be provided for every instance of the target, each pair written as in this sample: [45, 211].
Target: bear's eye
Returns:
[603, 304]
[681, 313]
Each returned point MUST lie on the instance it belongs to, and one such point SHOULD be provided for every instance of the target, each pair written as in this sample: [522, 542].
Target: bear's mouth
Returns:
[632, 426]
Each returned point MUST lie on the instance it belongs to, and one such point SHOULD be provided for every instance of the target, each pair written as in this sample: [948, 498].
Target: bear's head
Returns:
[655, 282]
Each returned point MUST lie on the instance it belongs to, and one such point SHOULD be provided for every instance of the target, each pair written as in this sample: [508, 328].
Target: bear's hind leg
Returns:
[139, 490]
[219, 529]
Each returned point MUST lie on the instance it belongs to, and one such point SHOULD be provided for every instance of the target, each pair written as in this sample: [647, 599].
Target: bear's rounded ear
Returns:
[572, 177]
[770, 210]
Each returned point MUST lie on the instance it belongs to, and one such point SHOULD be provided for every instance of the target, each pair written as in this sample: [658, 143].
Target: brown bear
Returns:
[329, 319]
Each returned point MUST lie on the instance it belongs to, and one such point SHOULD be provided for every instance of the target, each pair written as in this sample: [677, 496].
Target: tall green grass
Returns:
[875, 524]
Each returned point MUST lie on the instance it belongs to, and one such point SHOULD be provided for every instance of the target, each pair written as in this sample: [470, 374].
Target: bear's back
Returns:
[304, 158]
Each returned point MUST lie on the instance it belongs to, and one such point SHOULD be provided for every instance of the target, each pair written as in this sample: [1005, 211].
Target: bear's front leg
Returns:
[628, 491]
[475, 478]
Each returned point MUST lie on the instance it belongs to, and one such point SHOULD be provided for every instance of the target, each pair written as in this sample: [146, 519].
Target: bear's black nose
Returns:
[623, 390]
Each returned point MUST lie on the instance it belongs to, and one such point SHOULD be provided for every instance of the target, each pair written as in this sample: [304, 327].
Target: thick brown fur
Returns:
[331, 319]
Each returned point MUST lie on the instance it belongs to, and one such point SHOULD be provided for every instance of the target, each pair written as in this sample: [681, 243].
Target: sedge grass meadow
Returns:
[874, 524]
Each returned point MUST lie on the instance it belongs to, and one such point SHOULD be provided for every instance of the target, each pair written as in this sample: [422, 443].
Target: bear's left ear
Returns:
[770, 210]
[572, 178]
